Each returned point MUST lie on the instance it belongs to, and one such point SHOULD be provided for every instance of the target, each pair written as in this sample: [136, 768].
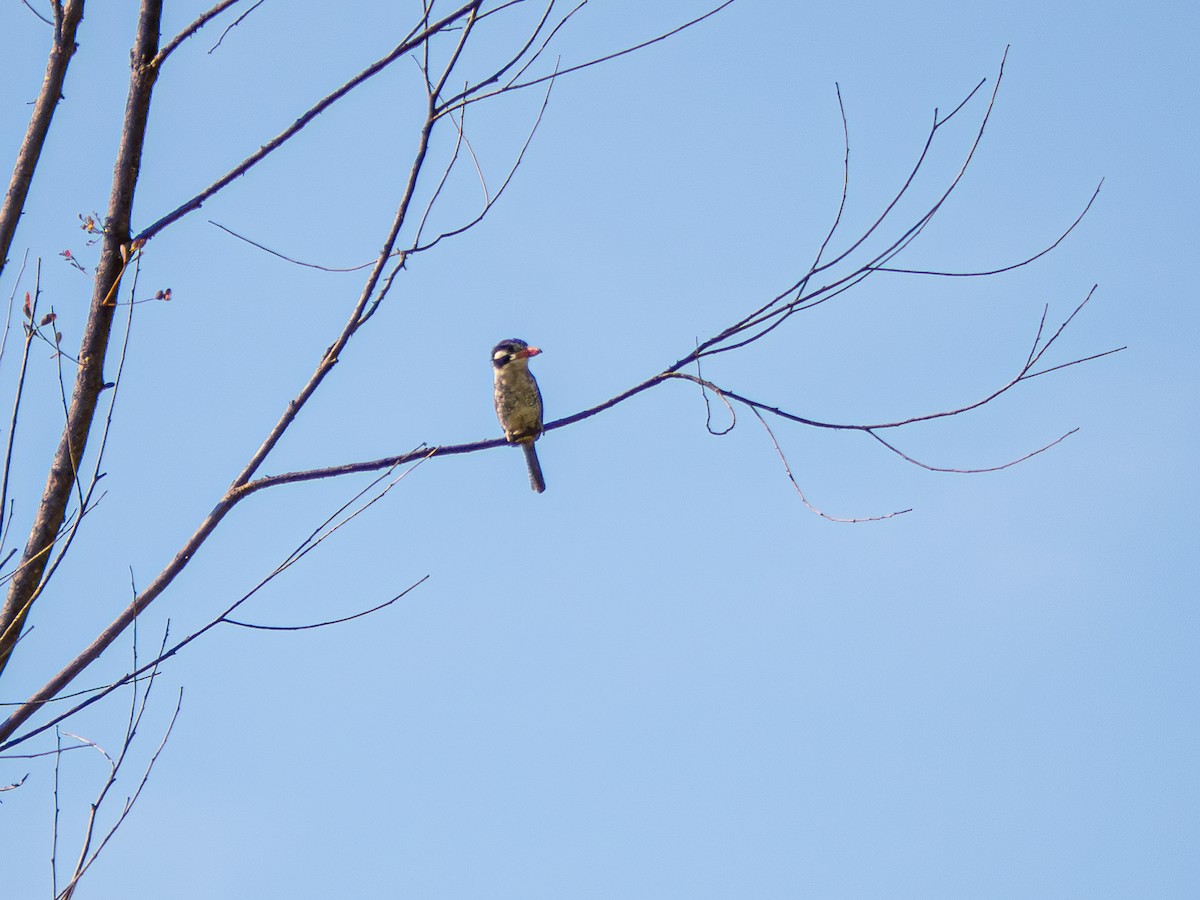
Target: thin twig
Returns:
[57, 811]
[960, 471]
[800, 491]
[328, 622]
[129, 802]
[401, 50]
[472, 95]
[19, 392]
[490, 202]
[290, 259]
[199, 22]
[512, 61]
[1002, 269]
[546, 43]
[234, 24]
[704, 389]
[27, 5]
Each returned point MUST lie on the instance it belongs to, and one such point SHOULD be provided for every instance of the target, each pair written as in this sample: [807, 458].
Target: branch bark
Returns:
[39, 124]
[89, 381]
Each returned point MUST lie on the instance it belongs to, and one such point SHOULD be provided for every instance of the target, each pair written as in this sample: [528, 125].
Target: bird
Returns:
[518, 401]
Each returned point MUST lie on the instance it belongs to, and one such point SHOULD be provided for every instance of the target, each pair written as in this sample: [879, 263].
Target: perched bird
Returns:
[519, 402]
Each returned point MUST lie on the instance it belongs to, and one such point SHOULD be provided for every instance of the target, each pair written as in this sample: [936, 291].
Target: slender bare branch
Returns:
[1061, 328]
[767, 313]
[489, 202]
[61, 51]
[402, 49]
[234, 24]
[201, 20]
[84, 865]
[961, 471]
[29, 7]
[12, 299]
[1012, 266]
[447, 169]
[499, 9]
[86, 503]
[328, 622]
[546, 43]
[705, 388]
[800, 491]
[19, 393]
[291, 259]
[473, 95]
[499, 73]
[57, 812]
[837, 219]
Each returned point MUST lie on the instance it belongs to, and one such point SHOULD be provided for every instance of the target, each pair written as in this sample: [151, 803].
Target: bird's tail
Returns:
[536, 481]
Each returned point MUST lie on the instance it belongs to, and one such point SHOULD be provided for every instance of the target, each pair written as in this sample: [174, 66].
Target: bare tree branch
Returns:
[401, 50]
[17, 395]
[1012, 266]
[474, 94]
[491, 201]
[85, 863]
[203, 19]
[234, 24]
[512, 61]
[29, 7]
[89, 381]
[290, 259]
[961, 471]
[328, 622]
[61, 51]
[310, 543]
[800, 491]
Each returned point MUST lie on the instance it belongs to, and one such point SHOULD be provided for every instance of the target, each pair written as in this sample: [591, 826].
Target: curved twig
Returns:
[327, 623]
[290, 259]
[1009, 268]
[792, 478]
[234, 24]
[958, 471]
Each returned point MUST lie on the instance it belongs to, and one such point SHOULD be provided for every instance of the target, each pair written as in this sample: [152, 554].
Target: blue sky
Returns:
[664, 677]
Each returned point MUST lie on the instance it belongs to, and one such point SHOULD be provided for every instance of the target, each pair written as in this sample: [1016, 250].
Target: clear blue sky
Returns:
[663, 678]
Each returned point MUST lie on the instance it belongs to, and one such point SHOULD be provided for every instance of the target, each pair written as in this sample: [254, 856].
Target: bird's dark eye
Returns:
[507, 351]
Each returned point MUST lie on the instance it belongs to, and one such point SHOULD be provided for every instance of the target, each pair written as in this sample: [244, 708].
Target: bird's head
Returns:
[510, 351]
